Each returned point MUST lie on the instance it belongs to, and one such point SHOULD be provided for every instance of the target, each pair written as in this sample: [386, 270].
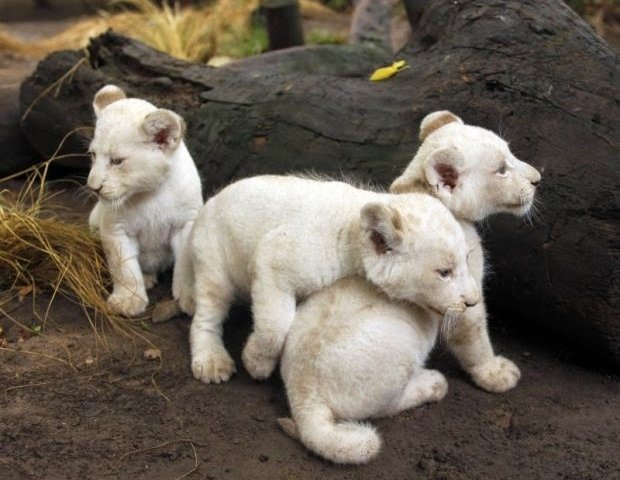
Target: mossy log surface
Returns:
[531, 69]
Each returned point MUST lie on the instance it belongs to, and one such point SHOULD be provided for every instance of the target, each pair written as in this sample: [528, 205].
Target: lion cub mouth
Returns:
[521, 207]
[437, 311]
[111, 199]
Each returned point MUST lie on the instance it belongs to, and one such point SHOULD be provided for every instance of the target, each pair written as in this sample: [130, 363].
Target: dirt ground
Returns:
[71, 408]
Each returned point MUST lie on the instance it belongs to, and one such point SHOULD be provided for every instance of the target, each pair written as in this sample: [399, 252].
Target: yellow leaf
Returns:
[389, 71]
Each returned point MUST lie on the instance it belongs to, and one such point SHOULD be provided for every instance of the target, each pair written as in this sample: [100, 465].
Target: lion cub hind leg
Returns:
[274, 312]
[423, 387]
[183, 274]
[273, 308]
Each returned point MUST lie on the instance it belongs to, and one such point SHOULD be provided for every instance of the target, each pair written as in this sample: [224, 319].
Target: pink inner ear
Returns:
[161, 137]
[379, 242]
[448, 174]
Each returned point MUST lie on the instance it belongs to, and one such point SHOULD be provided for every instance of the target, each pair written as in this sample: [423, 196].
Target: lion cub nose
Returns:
[472, 299]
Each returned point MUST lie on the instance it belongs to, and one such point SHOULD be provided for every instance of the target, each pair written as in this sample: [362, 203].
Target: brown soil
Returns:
[91, 412]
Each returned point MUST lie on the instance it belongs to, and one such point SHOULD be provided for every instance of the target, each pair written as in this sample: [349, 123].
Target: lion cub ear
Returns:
[164, 128]
[105, 96]
[383, 227]
[407, 184]
[443, 168]
[436, 120]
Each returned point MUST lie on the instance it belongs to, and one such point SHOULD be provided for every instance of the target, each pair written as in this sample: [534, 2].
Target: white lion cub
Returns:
[148, 192]
[474, 173]
[353, 353]
[282, 238]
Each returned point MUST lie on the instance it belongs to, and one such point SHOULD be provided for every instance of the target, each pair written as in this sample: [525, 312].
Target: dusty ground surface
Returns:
[74, 409]
[76, 405]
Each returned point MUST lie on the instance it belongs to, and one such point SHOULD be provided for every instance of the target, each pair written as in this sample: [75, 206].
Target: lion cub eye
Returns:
[445, 272]
[116, 161]
[502, 170]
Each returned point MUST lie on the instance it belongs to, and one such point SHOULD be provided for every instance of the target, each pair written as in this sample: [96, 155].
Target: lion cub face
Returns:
[470, 169]
[132, 146]
[415, 250]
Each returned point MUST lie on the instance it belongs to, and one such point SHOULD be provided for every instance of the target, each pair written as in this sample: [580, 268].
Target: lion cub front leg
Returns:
[471, 345]
[211, 363]
[129, 293]
[273, 309]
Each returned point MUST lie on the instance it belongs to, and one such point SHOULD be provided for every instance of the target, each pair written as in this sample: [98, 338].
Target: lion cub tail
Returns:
[340, 442]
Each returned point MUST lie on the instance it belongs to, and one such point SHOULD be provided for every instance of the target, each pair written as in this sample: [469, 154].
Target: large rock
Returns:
[531, 69]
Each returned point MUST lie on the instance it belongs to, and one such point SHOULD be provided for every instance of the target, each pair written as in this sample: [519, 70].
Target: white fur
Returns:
[147, 202]
[353, 353]
[282, 238]
[476, 156]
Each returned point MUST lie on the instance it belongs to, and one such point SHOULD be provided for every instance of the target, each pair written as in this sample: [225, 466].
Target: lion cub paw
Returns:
[213, 366]
[497, 375]
[437, 384]
[127, 304]
[259, 364]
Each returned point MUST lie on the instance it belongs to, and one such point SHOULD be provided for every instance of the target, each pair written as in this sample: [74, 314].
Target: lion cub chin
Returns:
[352, 353]
[282, 238]
[148, 193]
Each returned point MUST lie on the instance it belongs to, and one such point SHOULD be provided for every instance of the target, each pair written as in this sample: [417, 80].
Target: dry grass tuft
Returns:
[39, 251]
[188, 33]
[194, 33]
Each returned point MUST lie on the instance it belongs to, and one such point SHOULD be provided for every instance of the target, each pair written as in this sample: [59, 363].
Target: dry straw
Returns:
[190, 33]
[39, 251]
[194, 33]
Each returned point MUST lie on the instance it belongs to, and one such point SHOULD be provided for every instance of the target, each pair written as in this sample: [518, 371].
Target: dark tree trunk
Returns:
[529, 68]
[283, 23]
[415, 9]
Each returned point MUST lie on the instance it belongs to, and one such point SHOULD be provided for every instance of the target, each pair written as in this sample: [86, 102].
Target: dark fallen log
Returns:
[529, 68]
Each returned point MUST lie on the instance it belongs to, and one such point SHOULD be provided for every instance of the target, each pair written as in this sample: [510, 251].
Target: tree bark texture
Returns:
[530, 69]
